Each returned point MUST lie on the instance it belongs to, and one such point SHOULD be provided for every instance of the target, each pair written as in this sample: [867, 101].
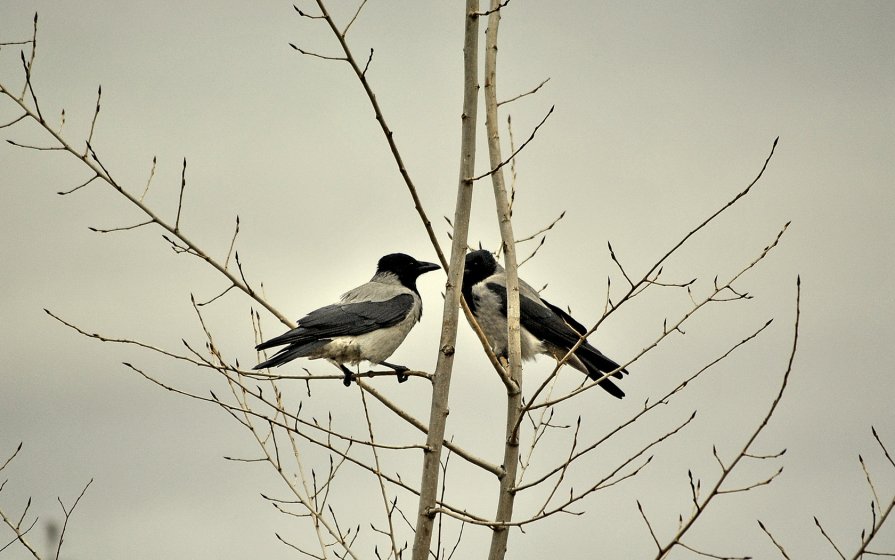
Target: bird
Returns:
[367, 324]
[545, 328]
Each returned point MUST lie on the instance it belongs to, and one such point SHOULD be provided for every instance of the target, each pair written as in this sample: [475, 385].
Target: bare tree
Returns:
[307, 445]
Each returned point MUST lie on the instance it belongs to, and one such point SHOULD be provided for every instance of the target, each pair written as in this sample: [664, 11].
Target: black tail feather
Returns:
[295, 336]
[598, 365]
[291, 352]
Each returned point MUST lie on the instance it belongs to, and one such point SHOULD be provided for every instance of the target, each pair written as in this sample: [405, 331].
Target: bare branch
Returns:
[232, 244]
[494, 9]
[16, 527]
[648, 525]
[544, 229]
[180, 200]
[227, 289]
[345, 32]
[514, 405]
[81, 186]
[14, 121]
[38, 148]
[521, 95]
[498, 166]
[11, 457]
[305, 14]
[883, 447]
[149, 181]
[67, 513]
[829, 540]
[379, 477]
[619, 264]
[369, 60]
[646, 409]
[99, 94]
[316, 55]
[665, 331]
[773, 540]
[725, 472]
[123, 228]
[764, 482]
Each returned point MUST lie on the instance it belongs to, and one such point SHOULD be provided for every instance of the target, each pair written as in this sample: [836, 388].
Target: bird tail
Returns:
[294, 336]
[597, 365]
[290, 352]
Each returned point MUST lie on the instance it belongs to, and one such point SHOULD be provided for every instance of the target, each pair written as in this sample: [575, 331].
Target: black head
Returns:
[479, 265]
[405, 267]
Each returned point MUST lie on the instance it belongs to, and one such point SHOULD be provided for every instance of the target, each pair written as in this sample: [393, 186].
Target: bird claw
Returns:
[402, 377]
[348, 376]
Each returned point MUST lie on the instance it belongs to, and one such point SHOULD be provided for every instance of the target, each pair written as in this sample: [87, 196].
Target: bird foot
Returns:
[402, 377]
[348, 376]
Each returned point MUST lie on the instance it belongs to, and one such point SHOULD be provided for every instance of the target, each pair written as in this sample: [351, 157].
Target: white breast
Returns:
[494, 324]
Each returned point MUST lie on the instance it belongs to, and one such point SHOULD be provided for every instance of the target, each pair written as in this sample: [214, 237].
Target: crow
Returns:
[545, 328]
[367, 324]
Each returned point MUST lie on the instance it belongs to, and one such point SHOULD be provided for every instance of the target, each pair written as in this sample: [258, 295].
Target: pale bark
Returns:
[442, 378]
[506, 496]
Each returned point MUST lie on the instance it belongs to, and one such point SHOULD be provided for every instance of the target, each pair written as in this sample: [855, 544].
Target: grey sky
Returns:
[663, 112]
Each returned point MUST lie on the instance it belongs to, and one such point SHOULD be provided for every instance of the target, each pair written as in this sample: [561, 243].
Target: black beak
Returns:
[424, 267]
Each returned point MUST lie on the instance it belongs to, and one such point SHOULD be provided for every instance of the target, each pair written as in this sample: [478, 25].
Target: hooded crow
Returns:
[368, 323]
[546, 329]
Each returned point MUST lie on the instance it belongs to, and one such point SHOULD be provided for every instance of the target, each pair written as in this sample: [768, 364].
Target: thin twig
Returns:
[726, 471]
[773, 540]
[498, 166]
[521, 95]
[123, 228]
[67, 513]
[180, 198]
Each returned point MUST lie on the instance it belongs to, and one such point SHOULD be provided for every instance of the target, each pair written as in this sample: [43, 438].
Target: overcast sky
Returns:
[663, 112]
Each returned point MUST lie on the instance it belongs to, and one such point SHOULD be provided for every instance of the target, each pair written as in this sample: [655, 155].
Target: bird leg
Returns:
[402, 377]
[348, 375]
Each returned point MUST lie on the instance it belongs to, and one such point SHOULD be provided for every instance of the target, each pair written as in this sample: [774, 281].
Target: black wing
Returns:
[556, 327]
[345, 319]
[542, 322]
[579, 328]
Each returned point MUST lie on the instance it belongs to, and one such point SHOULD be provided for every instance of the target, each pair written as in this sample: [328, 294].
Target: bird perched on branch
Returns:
[368, 323]
[545, 328]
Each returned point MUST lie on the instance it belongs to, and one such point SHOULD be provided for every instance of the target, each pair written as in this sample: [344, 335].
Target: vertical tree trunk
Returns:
[514, 351]
[442, 378]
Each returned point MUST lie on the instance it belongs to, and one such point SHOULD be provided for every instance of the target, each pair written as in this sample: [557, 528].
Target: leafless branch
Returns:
[687, 524]
[81, 186]
[67, 513]
[14, 121]
[382, 489]
[648, 525]
[514, 406]
[498, 166]
[123, 228]
[180, 200]
[773, 540]
[316, 55]
[99, 94]
[648, 408]
[544, 229]
[149, 181]
[350, 23]
[521, 95]
[16, 527]
[369, 60]
[877, 522]
[493, 9]
[829, 540]
[664, 334]
[32, 147]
